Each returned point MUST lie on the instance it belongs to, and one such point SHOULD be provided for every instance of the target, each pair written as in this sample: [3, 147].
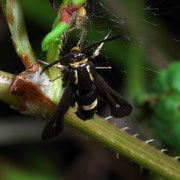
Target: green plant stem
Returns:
[6, 80]
[53, 47]
[53, 55]
[78, 2]
[56, 32]
[14, 16]
[127, 145]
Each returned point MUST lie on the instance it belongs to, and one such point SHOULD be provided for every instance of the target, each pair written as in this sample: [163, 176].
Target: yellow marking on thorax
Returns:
[78, 63]
[76, 77]
[90, 75]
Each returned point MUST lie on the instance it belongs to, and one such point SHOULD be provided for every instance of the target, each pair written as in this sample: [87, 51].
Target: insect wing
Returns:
[55, 124]
[119, 106]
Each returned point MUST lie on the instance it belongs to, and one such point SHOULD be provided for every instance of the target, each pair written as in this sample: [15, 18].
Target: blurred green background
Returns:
[153, 45]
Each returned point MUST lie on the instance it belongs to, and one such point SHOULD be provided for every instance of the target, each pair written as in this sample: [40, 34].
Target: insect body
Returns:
[82, 87]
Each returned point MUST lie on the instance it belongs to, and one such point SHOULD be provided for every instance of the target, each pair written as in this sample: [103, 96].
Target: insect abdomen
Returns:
[87, 104]
[85, 93]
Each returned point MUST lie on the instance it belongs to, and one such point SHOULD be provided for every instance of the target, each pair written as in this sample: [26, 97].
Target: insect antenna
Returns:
[103, 41]
[69, 55]
[98, 49]
[49, 65]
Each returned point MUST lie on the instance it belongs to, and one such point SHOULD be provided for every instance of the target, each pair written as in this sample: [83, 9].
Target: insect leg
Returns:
[56, 78]
[82, 38]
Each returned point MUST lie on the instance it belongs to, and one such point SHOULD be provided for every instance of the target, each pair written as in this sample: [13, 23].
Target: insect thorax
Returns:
[83, 75]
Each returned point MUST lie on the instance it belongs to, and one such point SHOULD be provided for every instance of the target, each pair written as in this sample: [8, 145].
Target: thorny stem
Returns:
[127, 145]
[114, 138]
[53, 55]
[109, 135]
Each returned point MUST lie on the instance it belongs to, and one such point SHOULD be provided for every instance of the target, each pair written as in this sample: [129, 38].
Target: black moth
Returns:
[82, 87]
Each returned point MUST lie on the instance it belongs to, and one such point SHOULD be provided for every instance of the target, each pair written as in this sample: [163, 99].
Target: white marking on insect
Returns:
[77, 64]
[90, 106]
[76, 77]
[89, 72]
[78, 55]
